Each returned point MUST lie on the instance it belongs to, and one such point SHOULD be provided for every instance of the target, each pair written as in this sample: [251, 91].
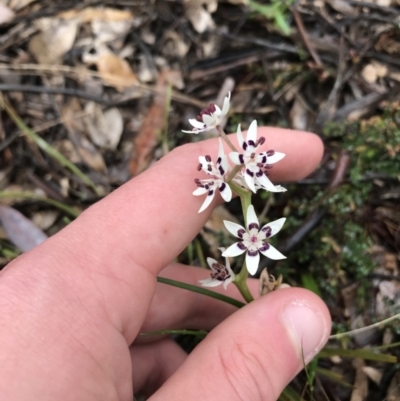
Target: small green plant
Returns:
[277, 11]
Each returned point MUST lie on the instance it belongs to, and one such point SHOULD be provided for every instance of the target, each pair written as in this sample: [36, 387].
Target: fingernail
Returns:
[306, 328]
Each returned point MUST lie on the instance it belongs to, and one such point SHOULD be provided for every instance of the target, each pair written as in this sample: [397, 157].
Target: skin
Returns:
[71, 309]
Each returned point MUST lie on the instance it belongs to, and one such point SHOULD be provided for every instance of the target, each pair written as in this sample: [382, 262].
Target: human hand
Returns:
[71, 309]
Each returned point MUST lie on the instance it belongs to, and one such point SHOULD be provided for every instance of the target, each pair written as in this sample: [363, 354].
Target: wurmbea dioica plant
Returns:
[249, 172]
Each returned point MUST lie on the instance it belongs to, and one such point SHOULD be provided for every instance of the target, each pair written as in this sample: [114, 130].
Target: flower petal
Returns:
[266, 183]
[252, 132]
[221, 153]
[196, 123]
[226, 193]
[276, 157]
[235, 157]
[240, 136]
[233, 228]
[207, 202]
[225, 106]
[227, 282]
[200, 191]
[210, 282]
[233, 250]
[210, 262]
[209, 120]
[250, 182]
[224, 164]
[275, 226]
[252, 263]
[251, 216]
[217, 111]
[273, 253]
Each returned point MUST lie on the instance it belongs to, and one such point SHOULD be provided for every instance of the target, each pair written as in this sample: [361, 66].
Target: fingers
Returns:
[153, 364]
[255, 353]
[114, 250]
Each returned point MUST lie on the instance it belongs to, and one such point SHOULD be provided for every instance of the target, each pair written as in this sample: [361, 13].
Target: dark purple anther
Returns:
[241, 159]
[222, 187]
[252, 253]
[253, 225]
[259, 173]
[241, 246]
[271, 152]
[261, 140]
[241, 232]
[267, 231]
[251, 143]
[199, 167]
[250, 173]
[264, 248]
[208, 158]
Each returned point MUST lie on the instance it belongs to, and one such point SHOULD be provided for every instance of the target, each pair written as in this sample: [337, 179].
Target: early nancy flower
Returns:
[217, 181]
[253, 240]
[210, 117]
[256, 165]
[220, 274]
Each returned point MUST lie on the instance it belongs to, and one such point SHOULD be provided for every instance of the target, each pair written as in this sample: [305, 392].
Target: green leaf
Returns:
[201, 290]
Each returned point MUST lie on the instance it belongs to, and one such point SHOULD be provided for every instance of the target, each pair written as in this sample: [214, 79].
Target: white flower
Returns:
[220, 274]
[217, 180]
[210, 117]
[240, 180]
[253, 240]
[256, 165]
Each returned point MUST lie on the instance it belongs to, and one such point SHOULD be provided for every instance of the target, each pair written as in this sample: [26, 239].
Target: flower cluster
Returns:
[249, 172]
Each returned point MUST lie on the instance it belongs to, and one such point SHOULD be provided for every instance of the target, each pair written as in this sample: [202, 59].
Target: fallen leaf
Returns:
[153, 124]
[115, 71]
[360, 387]
[104, 127]
[76, 128]
[20, 230]
[56, 38]
[90, 14]
[200, 17]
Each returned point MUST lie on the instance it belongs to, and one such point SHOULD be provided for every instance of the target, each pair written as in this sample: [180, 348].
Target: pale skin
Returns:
[72, 308]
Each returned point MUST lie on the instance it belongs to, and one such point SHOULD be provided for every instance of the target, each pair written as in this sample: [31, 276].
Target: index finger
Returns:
[118, 246]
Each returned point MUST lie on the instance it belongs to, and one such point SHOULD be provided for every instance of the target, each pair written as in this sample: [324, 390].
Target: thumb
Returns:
[254, 353]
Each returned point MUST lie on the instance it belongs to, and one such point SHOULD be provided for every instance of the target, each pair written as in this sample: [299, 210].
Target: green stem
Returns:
[225, 138]
[241, 279]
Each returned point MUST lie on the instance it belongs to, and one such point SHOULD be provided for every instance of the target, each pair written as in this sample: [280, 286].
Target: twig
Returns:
[304, 35]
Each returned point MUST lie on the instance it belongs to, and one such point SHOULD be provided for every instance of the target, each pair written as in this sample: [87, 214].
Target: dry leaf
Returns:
[75, 127]
[115, 71]
[299, 115]
[199, 17]
[360, 387]
[44, 220]
[153, 124]
[20, 230]
[57, 37]
[90, 14]
[104, 128]
[373, 374]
